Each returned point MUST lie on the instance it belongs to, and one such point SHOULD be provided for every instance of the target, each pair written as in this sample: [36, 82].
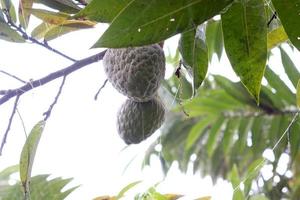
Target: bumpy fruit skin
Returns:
[139, 120]
[135, 72]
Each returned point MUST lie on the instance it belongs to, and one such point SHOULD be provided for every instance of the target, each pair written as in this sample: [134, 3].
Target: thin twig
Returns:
[50, 77]
[12, 76]
[48, 112]
[274, 16]
[97, 94]
[22, 121]
[9, 124]
[23, 33]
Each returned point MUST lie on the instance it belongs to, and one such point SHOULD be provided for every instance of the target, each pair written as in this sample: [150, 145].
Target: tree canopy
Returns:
[221, 127]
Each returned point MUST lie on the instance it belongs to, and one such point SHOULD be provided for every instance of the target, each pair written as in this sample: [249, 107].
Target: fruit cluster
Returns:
[137, 73]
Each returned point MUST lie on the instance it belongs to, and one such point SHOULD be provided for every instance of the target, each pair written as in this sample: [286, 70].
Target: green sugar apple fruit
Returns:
[138, 120]
[135, 72]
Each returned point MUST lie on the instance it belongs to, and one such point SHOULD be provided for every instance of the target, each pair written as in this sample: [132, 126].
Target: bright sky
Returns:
[80, 139]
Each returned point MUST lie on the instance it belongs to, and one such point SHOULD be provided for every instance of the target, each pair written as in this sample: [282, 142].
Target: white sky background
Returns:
[80, 139]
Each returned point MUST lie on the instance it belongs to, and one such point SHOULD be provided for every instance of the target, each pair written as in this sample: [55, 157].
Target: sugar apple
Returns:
[138, 120]
[135, 72]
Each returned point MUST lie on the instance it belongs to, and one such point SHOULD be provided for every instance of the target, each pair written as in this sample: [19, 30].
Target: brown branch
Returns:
[9, 124]
[48, 112]
[50, 77]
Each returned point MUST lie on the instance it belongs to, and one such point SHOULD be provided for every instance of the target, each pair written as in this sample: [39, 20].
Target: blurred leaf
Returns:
[105, 198]
[235, 90]
[245, 39]
[9, 34]
[194, 54]
[28, 154]
[160, 20]
[281, 88]
[231, 129]
[5, 173]
[252, 172]
[298, 94]
[41, 189]
[244, 128]
[9, 6]
[49, 16]
[24, 15]
[288, 12]
[67, 6]
[276, 37]
[213, 136]
[289, 67]
[173, 196]
[197, 131]
[49, 31]
[2, 19]
[103, 11]
[214, 38]
[294, 138]
[235, 181]
[258, 197]
[126, 189]
[204, 198]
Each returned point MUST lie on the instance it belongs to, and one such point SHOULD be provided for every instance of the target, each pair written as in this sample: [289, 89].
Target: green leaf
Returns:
[197, 130]
[294, 138]
[281, 88]
[235, 181]
[252, 172]
[126, 189]
[9, 34]
[244, 128]
[288, 12]
[194, 54]
[5, 173]
[24, 15]
[144, 22]
[214, 38]
[212, 136]
[231, 129]
[289, 67]
[276, 37]
[245, 39]
[236, 90]
[28, 154]
[103, 11]
[298, 94]
[41, 189]
[258, 197]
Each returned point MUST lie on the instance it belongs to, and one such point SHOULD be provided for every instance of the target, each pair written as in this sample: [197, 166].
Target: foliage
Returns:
[228, 132]
[42, 187]
[230, 124]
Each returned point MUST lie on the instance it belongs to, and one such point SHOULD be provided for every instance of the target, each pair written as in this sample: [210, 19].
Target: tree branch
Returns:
[19, 28]
[50, 77]
[100, 89]
[12, 76]
[9, 124]
[48, 112]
